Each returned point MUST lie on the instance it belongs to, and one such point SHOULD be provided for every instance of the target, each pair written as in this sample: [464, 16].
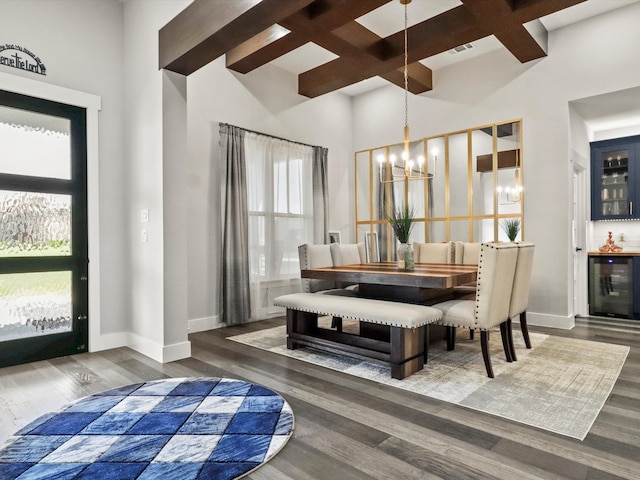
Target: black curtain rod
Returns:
[271, 136]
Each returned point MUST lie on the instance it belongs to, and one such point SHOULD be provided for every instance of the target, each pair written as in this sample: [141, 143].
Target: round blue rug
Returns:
[177, 428]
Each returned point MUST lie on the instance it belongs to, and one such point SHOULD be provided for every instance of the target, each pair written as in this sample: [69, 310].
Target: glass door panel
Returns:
[39, 143]
[34, 224]
[34, 304]
[614, 190]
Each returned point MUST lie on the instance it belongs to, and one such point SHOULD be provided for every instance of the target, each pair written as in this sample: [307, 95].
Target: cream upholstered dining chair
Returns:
[490, 308]
[347, 254]
[520, 293]
[316, 256]
[466, 253]
[433, 252]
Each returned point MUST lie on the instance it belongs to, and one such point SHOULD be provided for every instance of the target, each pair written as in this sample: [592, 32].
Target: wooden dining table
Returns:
[425, 283]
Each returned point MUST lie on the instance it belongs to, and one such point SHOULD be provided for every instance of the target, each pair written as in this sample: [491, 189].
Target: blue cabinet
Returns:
[614, 178]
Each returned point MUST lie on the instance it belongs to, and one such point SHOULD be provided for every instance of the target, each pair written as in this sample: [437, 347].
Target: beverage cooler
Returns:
[611, 286]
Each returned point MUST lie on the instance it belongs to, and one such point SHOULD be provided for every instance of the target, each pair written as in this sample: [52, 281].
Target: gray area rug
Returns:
[559, 385]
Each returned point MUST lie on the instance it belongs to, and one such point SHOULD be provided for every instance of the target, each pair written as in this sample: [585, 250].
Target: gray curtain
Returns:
[235, 303]
[320, 195]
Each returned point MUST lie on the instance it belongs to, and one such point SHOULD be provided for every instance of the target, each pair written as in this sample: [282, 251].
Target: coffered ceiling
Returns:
[337, 44]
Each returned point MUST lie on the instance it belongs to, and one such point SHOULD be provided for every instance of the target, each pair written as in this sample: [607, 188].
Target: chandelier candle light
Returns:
[412, 170]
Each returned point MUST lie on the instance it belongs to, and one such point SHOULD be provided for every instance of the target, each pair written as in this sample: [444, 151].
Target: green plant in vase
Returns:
[401, 220]
[511, 227]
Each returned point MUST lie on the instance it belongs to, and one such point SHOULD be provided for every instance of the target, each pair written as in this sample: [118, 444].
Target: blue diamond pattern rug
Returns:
[177, 428]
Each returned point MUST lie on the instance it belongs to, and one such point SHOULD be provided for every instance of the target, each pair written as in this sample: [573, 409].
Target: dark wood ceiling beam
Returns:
[426, 39]
[521, 44]
[420, 78]
[200, 34]
[499, 16]
[265, 47]
[327, 40]
[448, 30]
[528, 10]
[355, 43]
[331, 14]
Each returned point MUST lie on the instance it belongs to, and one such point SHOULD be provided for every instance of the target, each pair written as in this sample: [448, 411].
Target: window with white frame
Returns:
[280, 203]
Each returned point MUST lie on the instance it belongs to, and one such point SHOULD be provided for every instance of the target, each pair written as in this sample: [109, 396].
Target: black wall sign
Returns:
[19, 57]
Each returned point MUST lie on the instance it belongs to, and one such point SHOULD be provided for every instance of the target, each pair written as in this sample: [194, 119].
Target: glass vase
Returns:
[405, 256]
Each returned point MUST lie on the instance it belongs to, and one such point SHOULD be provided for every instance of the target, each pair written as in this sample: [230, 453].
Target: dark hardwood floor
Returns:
[350, 428]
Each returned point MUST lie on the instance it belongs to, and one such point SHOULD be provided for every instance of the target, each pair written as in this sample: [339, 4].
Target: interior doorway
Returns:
[43, 229]
[579, 239]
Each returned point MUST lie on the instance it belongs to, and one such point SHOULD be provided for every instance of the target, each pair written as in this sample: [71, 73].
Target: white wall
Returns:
[583, 61]
[158, 317]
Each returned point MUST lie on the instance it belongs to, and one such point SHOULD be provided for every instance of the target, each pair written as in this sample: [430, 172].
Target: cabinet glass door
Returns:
[614, 186]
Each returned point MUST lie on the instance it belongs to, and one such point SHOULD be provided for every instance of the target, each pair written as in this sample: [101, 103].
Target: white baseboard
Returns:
[157, 352]
[203, 324]
[553, 321]
[177, 351]
[107, 342]
[153, 350]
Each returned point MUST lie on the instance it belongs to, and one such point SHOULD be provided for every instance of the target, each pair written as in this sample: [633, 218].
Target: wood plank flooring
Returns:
[349, 428]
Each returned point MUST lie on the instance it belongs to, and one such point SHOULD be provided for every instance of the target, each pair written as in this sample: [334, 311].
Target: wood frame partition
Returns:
[483, 158]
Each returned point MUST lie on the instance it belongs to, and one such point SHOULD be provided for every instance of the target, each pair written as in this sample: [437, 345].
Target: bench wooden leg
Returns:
[300, 322]
[426, 344]
[336, 322]
[407, 351]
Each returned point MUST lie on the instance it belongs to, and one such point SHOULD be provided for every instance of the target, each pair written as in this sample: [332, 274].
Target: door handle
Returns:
[578, 249]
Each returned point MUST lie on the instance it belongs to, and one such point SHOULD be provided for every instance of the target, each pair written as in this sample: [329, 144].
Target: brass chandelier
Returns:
[408, 168]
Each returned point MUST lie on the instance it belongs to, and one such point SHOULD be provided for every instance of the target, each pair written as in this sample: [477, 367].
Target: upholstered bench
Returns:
[403, 349]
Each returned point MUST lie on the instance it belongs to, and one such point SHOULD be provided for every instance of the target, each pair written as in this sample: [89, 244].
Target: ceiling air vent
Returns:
[461, 48]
